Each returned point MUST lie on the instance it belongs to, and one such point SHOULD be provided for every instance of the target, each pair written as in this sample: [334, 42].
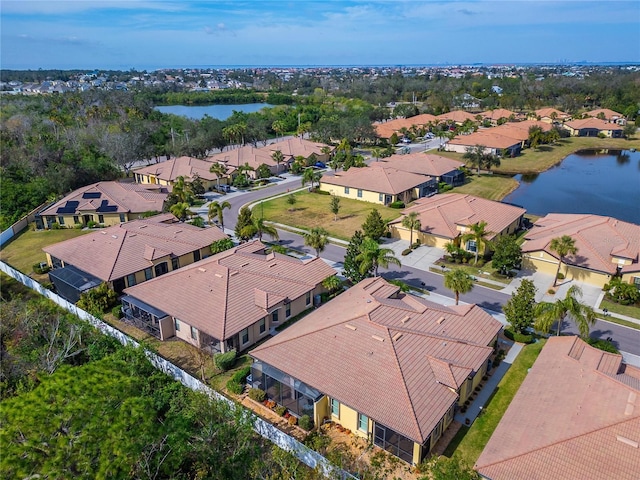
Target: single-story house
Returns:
[439, 168]
[389, 366]
[378, 183]
[607, 115]
[592, 127]
[456, 116]
[105, 203]
[576, 415]
[167, 172]
[398, 125]
[293, 147]
[445, 217]
[228, 301]
[499, 113]
[550, 115]
[606, 247]
[130, 253]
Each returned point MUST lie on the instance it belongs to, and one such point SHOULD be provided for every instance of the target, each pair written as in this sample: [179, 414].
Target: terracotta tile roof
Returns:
[585, 422]
[187, 167]
[594, 123]
[502, 136]
[457, 116]
[441, 214]
[118, 251]
[597, 238]
[247, 154]
[547, 112]
[227, 292]
[608, 114]
[384, 356]
[377, 177]
[498, 113]
[108, 197]
[422, 163]
[295, 146]
[386, 129]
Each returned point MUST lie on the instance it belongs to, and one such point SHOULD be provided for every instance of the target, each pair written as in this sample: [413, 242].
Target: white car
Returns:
[406, 140]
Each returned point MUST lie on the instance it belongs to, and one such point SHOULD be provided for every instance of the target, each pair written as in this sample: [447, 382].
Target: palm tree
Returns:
[279, 127]
[458, 281]
[311, 176]
[373, 256]
[317, 238]
[261, 227]
[376, 153]
[219, 170]
[411, 222]
[332, 283]
[475, 156]
[216, 209]
[181, 210]
[563, 246]
[547, 313]
[479, 235]
[277, 157]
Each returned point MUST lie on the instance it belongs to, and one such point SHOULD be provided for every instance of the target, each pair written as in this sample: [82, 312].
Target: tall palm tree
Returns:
[547, 313]
[459, 282]
[317, 238]
[478, 234]
[219, 170]
[277, 157]
[216, 209]
[311, 176]
[563, 246]
[376, 153]
[411, 222]
[261, 227]
[475, 156]
[181, 210]
[373, 256]
[279, 127]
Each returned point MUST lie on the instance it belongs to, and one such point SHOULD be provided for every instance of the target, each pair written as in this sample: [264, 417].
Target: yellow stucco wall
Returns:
[109, 219]
[367, 195]
[348, 418]
[398, 231]
[543, 262]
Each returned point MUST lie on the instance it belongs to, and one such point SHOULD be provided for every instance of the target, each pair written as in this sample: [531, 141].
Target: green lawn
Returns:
[492, 187]
[627, 310]
[469, 442]
[312, 210]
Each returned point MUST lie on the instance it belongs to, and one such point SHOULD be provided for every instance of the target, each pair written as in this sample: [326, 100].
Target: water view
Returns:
[221, 112]
[585, 182]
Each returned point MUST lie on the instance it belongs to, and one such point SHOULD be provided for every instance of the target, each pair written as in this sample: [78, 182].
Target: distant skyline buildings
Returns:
[153, 34]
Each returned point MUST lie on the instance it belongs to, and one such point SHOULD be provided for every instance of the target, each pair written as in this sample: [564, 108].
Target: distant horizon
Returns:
[156, 34]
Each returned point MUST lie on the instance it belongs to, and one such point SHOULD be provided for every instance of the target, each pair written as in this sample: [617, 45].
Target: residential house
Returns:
[128, 254]
[607, 115]
[445, 217]
[456, 116]
[251, 156]
[377, 183]
[437, 167]
[104, 203]
[391, 367]
[167, 172]
[550, 115]
[606, 247]
[499, 114]
[294, 147]
[592, 127]
[576, 415]
[401, 125]
[228, 301]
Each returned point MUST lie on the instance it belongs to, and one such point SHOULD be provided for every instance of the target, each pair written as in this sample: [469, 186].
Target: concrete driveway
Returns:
[422, 257]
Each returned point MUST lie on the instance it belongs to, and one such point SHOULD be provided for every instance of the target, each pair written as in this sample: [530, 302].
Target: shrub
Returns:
[305, 422]
[518, 337]
[78, 226]
[551, 291]
[117, 311]
[91, 224]
[241, 375]
[396, 204]
[560, 276]
[292, 420]
[55, 226]
[406, 251]
[480, 263]
[257, 394]
[602, 345]
[224, 361]
[321, 192]
[280, 410]
[234, 387]
[41, 268]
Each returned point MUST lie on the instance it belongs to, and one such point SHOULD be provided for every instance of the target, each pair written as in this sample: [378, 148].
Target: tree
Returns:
[181, 210]
[519, 308]
[507, 254]
[317, 238]
[335, 207]
[622, 292]
[374, 226]
[277, 157]
[372, 256]
[475, 156]
[459, 282]
[536, 136]
[181, 191]
[291, 201]
[478, 235]
[332, 283]
[219, 170]
[261, 227]
[412, 222]
[629, 130]
[279, 127]
[263, 171]
[548, 313]
[221, 245]
[563, 246]
[311, 176]
[376, 153]
[351, 266]
[216, 211]
[245, 219]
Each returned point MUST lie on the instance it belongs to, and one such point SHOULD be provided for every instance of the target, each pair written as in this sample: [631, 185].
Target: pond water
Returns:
[585, 182]
[221, 112]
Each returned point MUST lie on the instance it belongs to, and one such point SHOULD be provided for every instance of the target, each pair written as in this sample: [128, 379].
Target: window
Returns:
[262, 325]
[346, 190]
[194, 333]
[100, 218]
[161, 269]
[359, 193]
[122, 218]
[380, 197]
[308, 299]
[636, 281]
[196, 255]
[175, 263]
[244, 335]
[148, 273]
[471, 245]
[274, 316]
[76, 219]
[131, 279]
[61, 220]
[363, 423]
[176, 324]
[335, 408]
[287, 310]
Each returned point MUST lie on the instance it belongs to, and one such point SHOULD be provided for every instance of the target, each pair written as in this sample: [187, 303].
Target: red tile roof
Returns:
[502, 136]
[547, 112]
[294, 147]
[386, 129]
[118, 197]
[441, 214]
[247, 154]
[498, 113]
[227, 292]
[422, 163]
[575, 416]
[378, 177]
[597, 238]
[594, 123]
[173, 168]
[118, 251]
[457, 116]
[608, 114]
[388, 355]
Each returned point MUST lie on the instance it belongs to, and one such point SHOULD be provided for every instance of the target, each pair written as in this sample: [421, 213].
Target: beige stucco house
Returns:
[592, 127]
[167, 172]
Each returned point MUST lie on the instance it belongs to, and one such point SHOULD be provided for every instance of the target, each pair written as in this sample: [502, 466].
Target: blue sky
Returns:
[150, 34]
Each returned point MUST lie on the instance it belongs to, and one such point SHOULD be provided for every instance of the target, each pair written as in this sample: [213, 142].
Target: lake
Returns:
[221, 112]
[585, 182]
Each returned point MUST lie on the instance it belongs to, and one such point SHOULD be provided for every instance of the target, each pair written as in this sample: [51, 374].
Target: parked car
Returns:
[405, 140]
[320, 165]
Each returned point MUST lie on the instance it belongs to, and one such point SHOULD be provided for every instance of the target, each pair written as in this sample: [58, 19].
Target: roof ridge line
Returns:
[113, 265]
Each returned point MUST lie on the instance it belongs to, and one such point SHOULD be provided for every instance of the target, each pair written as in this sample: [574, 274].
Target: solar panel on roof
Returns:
[91, 195]
[105, 207]
[69, 207]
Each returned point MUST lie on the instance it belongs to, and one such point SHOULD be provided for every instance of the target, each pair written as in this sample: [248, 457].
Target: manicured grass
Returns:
[627, 310]
[486, 271]
[492, 187]
[469, 442]
[312, 210]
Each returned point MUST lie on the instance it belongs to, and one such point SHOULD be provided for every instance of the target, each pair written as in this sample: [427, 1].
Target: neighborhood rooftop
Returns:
[378, 177]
